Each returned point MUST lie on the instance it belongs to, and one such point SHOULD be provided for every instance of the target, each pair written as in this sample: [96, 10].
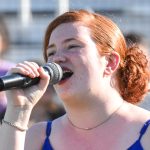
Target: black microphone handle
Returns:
[16, 80]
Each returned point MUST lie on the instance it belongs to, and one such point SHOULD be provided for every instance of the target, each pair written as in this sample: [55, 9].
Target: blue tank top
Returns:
[136, 146]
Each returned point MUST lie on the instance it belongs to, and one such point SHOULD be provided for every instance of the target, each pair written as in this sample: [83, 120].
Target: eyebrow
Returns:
[65, 41]
[70, 39]
[51, 46]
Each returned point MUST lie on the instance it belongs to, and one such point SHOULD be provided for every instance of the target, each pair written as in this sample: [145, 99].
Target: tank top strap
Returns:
[48, 128]
[144, 128]
[137, 145]
[47, 144]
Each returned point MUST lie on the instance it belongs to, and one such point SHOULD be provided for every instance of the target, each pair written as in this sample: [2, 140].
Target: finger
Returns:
[33, 66]
[19, 70]
[44, 79]
[23, 68]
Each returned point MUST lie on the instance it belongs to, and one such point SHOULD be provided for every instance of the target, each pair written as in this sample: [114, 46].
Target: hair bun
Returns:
[134, 75]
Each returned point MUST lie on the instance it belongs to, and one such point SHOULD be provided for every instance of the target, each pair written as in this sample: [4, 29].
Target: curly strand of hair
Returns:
[134, 75]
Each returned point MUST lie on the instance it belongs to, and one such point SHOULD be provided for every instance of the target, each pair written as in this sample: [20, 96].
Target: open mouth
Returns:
[66, 74]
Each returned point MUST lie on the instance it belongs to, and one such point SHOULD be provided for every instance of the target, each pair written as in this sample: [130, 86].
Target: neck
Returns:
[93, 114]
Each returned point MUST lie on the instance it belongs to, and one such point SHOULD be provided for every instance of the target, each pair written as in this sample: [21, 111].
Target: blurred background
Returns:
[26, 21]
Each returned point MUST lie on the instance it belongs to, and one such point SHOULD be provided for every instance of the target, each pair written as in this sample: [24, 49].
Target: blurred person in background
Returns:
[5, 65]
[102, 82]
[139, 40]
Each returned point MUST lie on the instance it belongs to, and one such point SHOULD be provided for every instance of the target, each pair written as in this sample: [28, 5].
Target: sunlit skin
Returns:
[71, 46]
[90, 97]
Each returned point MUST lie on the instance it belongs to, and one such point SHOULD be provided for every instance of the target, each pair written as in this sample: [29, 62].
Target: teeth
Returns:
[66, 74]
[67, 71]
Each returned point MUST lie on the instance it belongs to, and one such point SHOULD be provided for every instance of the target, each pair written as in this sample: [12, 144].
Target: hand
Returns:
[28, 97]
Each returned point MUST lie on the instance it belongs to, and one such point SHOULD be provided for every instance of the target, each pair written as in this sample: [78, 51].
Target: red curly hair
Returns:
[133, 73]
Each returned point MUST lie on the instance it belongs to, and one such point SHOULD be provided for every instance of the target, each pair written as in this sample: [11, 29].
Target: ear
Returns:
[113, 61]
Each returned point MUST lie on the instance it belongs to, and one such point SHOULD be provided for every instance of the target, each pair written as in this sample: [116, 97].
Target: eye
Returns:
[72, 46]
[50, 54]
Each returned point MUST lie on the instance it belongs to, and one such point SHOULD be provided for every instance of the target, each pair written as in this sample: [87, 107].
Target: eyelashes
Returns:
[51, 54]
[70, 47]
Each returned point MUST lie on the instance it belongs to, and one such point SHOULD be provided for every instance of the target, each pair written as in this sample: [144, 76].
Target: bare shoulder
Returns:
[35, 136]
[138, 114]
[134, 118]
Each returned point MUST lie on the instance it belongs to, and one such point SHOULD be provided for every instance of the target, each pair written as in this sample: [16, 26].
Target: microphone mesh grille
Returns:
[55, 71]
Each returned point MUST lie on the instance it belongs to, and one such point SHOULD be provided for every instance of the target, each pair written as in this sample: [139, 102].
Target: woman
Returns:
[104, 79]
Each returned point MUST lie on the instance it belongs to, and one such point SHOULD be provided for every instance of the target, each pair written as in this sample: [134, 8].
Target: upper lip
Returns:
[66, 70]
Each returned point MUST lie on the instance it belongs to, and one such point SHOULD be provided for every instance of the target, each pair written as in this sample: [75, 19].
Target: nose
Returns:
[58, 58]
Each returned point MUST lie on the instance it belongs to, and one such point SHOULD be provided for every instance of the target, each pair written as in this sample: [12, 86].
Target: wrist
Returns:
[18, 116]
[14, 125]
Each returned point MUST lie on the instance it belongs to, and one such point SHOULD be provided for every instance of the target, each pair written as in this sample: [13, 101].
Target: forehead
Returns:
[70, 30]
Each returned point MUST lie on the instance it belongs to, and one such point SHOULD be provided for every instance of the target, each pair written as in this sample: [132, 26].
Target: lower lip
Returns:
[63, 81]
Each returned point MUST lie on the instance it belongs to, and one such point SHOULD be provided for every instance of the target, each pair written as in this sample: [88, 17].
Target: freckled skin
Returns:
[84, 60]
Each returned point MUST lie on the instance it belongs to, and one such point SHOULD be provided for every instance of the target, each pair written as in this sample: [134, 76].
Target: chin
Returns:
[67, 96]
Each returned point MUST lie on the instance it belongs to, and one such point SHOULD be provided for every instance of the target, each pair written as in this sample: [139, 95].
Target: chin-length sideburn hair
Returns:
[133, 72]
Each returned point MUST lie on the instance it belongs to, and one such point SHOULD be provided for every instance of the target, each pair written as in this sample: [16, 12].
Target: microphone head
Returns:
[55, 72]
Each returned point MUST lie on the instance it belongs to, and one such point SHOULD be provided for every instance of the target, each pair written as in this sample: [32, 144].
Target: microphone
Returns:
[16, 80]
